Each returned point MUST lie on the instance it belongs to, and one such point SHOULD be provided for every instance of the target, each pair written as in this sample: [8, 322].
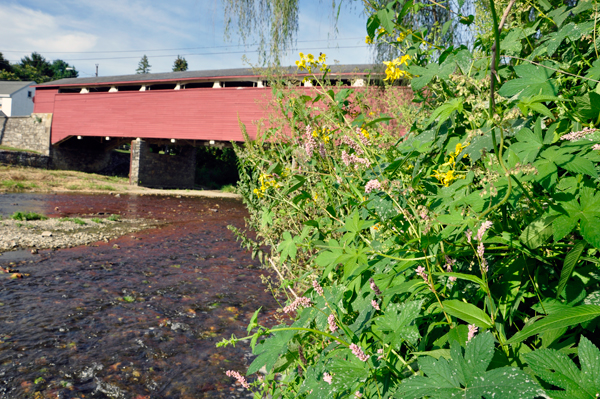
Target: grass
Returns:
[74, 220]
[114, 218]
[24, 216]
[73, 187]
[17, 185]
[229, 188]
[7, 148]
[96, 220]
[105, 187]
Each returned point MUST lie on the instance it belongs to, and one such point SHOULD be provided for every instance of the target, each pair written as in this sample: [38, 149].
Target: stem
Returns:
[281, 277]
[341, 341]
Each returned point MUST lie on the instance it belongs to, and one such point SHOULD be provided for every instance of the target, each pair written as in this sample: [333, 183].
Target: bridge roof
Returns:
[229, 74]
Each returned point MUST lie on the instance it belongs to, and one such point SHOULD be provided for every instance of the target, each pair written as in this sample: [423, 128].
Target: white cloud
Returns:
[28, 30]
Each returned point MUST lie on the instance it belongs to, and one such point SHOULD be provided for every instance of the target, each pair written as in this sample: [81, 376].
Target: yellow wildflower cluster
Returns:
[402, 36]
[393, 71]
[364, 132]
[324, 133]
[308, 62]
[368, 40]
[447, 173]
[266, 182]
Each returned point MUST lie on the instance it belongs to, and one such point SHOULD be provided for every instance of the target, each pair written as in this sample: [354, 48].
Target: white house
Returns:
[16, 98]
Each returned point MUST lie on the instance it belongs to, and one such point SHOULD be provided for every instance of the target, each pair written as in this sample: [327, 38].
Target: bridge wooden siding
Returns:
[191, 114]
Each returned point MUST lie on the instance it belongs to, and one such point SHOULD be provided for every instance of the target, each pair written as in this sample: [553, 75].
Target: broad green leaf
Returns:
[557, 38]
[588, 106]
[462, 276]
[567, 318]
[528, 146]
[268, 352]
[424, 75]
[386, 18]
[467, 312]
[570, 261]
[538, 232]
[397, 323]
[532, 80]
[466, 377]
[594, 73]
[555, 368]
[287, 247]
[444, 111]
[347, 370]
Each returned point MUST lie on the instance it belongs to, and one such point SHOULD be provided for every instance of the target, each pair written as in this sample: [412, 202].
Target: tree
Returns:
[37, 62]
[4, 64]
[143, 65]
[62, 70]
[180, 64]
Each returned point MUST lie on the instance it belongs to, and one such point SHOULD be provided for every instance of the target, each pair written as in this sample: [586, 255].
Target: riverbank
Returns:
[65, 232]
[14, 179]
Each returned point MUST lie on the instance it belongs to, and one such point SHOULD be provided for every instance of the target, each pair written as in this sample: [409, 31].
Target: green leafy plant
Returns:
[25, 216]
[474, 232]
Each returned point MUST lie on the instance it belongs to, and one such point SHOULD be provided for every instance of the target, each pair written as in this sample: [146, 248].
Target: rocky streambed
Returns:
[66, 232]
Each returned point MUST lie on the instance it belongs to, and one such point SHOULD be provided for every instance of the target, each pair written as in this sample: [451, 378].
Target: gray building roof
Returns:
[8, 87]
[199, 75]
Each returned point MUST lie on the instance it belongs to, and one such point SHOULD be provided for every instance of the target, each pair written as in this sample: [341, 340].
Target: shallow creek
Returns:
[137, 317]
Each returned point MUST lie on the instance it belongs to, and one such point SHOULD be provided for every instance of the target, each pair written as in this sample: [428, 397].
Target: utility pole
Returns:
[97, 69]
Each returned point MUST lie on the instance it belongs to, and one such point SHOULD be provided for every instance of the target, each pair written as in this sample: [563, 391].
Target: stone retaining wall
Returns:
[24, 159]
[27, 132]
[149, 169]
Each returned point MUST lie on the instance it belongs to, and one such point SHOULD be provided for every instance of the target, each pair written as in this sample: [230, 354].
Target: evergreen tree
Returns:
[180, 64]
[143, 65]
[4, 64]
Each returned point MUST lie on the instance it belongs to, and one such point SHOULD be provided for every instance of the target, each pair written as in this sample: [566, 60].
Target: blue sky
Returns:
[116, 33]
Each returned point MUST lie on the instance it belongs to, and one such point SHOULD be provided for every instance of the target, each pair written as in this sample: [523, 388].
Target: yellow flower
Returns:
[315, 133]
[364, 133]
[326, 139]
[368, 40]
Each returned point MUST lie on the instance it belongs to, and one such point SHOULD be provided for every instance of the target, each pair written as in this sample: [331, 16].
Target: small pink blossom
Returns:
[357, 394]
[238, 377]
[372, 185]
[309, 142]
[327, 378]
[421, 272]
[332, 324]
[469, 234]
[596, 147]
[574, 136]
[375, 304]
[374, 286]
[352, 144]
[358, 352]
[449, 263]
[302, 301]
[317, 287]
[380, 353]
[472, 331]
[322, 151]
[484, 227]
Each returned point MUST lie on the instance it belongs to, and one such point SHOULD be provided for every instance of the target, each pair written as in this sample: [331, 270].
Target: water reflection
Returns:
[137, 321]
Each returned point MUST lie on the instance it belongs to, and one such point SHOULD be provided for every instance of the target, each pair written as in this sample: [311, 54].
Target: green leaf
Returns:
[467, 312]
[287, 247]
[557, 369]
[466, 376]
[462, 276]
[424, 75]
[268, 352]
[593, 73]
[532, 80]
[528, 146]
[557, 38]
[538, 232]
[588, 106]
[347, 370]
[444, 111]
[570, 261]
[397, 324]
[386, 17]
[566, 318]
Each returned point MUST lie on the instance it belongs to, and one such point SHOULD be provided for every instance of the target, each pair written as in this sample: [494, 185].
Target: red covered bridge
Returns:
[185, 109]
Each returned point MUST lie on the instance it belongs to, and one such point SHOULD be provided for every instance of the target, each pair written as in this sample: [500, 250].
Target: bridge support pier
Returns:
[164, 166]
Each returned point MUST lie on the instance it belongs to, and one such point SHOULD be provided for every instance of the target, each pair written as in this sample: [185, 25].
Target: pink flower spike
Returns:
[332, 325]
[469, 234]
[238, 377]
[372, 185]
[421, 272]
[302, 301]
[375, 304]
[380, 353]
[358, 352]
[472, 331]
[484, 227]
[327, 378]
[317, 287]
[374, 286]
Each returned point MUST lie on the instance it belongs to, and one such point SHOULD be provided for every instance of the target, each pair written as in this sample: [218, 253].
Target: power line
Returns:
[170, 49]
[196, 54]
